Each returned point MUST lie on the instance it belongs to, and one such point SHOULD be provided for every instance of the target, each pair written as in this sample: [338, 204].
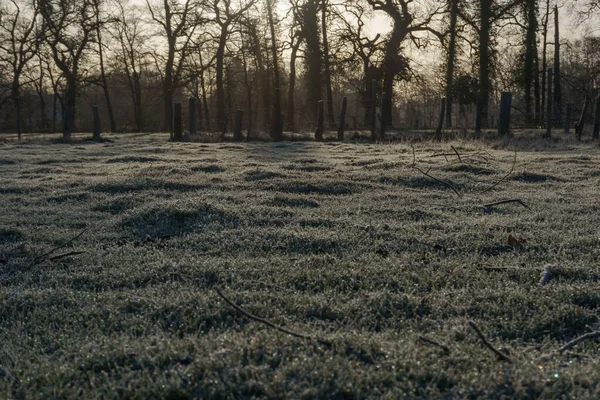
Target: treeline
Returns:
[280, 57]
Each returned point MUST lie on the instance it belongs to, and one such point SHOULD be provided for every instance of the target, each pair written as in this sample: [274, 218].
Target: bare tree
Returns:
[19, 41]
[70, 26]
[178, 23]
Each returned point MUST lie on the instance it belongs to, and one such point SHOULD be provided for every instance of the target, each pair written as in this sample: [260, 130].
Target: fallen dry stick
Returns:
[457, 154]
[575, 342]
[68, 242]
[500, 355]
[426, 173]
[71, 253]
[269, 323]
[434, 343]
[505, 177]
[497, 203]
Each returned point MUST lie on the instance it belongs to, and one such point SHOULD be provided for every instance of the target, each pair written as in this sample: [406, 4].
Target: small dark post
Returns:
[97, 126]
[568, 117]
[549, 110]
[374, 110]
[382, 119]
[192, 111]
[596, 133]
[225, 123]
[320, 121]
[504, 116]
[342, 125]
[18, 109]
[237, 126]
[478, 116]
[581, 124]
[438, 131]
[177, 123]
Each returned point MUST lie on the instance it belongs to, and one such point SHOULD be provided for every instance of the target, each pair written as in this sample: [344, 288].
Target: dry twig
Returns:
[505, 177]
[434, 343]
[457, 154]
[4, 373]
[500, 355]
[71, 253]
[68, 242]
[575, 342]
[497, 203]
[427, 174]
[269, 323]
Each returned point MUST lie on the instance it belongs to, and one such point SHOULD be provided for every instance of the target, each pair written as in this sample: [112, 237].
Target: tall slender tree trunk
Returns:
[530, 53]
[327, 67]
[451, 61]
[111, 114]
[544, 60]
[312, 56]
[392, 65]
[276, 125]
[557, 87]
[291, 117]
[484, 60]
[220, 63]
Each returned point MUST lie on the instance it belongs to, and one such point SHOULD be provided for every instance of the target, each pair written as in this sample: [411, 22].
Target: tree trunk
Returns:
[451, 60]
[220, 60]
[484, 61]
[111, 114]
[291, 117]
[327, 67]
[530, 54]
[557, 87]
[544, 60]
[276, 125]
[312, 56]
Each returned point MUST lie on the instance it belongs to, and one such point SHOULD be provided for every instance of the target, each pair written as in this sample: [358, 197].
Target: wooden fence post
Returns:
[237, 126]
[549, 110]
[177, 123]
[568, 117]
[193, 114]
[342, 125]
[96, 124]
[225, 123]
[320, 121]
[374, 110]
[438, 131]
[504, 116]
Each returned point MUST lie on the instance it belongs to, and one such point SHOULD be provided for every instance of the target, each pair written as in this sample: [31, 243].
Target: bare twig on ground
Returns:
[4, 373]
[497, 203]
[457, 154]
[500, 355]
[545, 276]
[427, 174]
[68, 242]
[71, 253]
[498, 269]
[434, 343]
[269, 323]
[573, 343]
[505, 177]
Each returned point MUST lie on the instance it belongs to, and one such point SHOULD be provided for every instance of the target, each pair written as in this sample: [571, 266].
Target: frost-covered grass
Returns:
[342, 241]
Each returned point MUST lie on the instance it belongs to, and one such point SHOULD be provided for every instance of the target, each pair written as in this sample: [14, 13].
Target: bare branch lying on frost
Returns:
[505, 177]
[4, 373]
[500, 355]
[39, 259]
[497, 203]
[69, 254]
[573, 343]
[545, 276]
[457, 154]
[434, 343]
[447, 184]
[269, 323]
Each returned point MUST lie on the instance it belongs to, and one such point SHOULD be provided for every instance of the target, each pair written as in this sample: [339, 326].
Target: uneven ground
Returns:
[345, 242]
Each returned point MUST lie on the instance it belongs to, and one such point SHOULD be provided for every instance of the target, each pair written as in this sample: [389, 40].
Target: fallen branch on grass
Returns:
[497, 203]
[505, 177]
[69, 254]
[500, 355]
[573, 343]
[434, 343]
[457, 155]
[38, 259]
[427, 174]
[4, 373]
[269, 323]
